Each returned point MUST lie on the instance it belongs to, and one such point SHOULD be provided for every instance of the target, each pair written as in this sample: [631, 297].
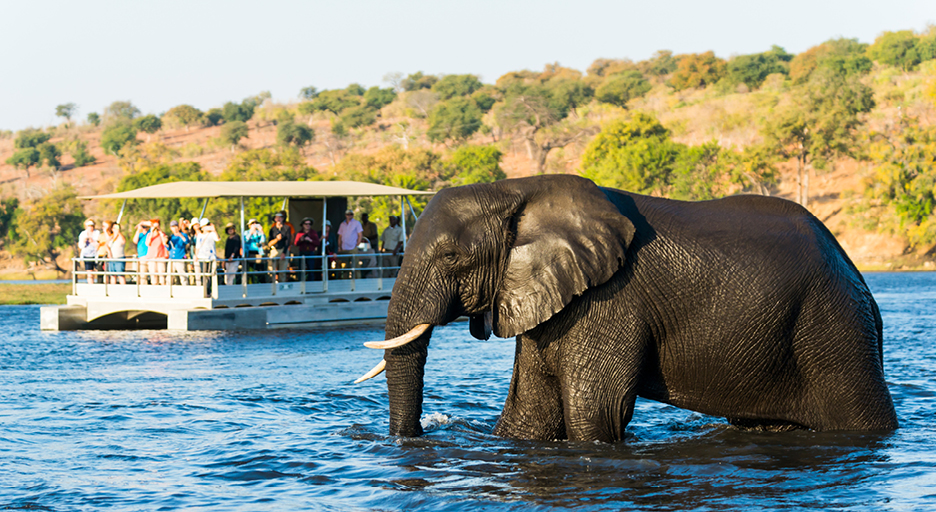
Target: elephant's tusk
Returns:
[399, 341]
[373, 373]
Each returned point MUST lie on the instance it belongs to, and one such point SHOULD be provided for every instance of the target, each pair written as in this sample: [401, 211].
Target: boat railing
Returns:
[243, 277]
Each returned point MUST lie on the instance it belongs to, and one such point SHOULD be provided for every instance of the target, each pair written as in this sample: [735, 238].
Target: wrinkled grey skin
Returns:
[744, 307]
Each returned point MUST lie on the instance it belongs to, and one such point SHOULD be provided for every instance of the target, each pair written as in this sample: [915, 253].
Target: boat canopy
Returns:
[207, 189]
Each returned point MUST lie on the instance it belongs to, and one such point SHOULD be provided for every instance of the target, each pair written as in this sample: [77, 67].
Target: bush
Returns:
[477, 164]
[456, 119]
[288, 133]
[121, 110]
[698, 70]
[81, 155]
[233, 131]
[94, 119]
[183, 115]
[378, 98]
[148, 123]
[619, 89]
[450, 86]
[214, 117]
[898, 49]
[117, 135]
[357, 116]
[237, 111]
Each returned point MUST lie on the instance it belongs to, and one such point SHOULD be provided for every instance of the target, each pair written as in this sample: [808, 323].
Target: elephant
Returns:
[744, 307]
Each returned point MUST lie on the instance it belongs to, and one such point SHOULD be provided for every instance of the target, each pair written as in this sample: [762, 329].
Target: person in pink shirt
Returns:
[350, 234]
[156, 254]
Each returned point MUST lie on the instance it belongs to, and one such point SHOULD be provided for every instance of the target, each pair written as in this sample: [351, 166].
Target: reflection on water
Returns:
[271, 421]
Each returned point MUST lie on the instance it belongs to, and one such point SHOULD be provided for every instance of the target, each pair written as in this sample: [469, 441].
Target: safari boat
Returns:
[320, 290]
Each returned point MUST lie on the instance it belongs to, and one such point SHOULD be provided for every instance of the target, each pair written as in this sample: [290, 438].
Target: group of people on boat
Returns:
[188, 254]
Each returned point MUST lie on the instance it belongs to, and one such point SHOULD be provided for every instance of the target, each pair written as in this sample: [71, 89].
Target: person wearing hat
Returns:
[350, 234]
[233, 253]
[391, 241]
[254, 240]
[87, 248]
[205, 252]
[178, 244]
[279, 241]
[307, 242]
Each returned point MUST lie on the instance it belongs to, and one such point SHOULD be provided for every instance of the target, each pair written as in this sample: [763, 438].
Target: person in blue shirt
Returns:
[178, 244]
[139, 238]
[254, 239]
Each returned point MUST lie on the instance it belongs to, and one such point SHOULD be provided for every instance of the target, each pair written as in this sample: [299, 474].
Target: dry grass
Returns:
[19, 294]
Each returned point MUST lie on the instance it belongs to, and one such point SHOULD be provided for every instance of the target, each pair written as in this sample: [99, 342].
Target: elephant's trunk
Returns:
[405, 370]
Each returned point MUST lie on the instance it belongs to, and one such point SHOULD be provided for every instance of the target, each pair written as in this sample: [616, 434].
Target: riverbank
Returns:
[45, 293]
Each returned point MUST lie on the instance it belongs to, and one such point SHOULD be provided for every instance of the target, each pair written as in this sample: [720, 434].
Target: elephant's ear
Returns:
[567, 237]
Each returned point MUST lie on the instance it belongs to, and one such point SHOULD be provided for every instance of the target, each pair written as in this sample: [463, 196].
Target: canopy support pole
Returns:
[120, 215]
[204, 207]
[403, 221]
[322, 241]
[242, 227]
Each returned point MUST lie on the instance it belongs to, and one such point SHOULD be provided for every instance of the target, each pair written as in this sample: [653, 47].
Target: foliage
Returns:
[121, 110]
[622, 87]
[164, 209]
[355, 90]
[456, 119]
[118, 134]
[485, 98]
[334, 101]
[8, 209]
[905, 179]
[477, 164]
[417, 81]
[94, 118]
[233, 131]
[450, 86]
[308, 93]
[842, 56]
[357, 116]
[49, 153]
[30, 138]
[148, 124]
[24, 159]
[183, 115]
[79, 152]
[377, 98]
[288, 133]
[66, 110]
[47, 226]
[898, 49]
[242, 112]
[697, 70]
[261, 165]
[752, 69]
[214, 117]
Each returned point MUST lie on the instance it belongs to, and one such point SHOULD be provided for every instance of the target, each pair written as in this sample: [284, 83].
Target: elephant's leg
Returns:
[533, 409]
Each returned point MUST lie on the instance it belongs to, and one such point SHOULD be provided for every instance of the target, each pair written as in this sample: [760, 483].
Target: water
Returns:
[150, 420]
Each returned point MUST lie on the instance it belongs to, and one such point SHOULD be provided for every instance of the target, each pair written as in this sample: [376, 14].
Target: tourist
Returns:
[156, 254]
[233, 252]
[87, 248]
[178, 244]
[350, 234]
[101, 256]
[369, 230]
[392, 246]
[205, 252]
[278, 244]
[308, 243]
[254, 240]
[115, 252]
[139, 238]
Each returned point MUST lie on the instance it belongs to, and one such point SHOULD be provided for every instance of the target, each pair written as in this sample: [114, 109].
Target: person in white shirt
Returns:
[87, 248]
[205, 252]
[391, 245]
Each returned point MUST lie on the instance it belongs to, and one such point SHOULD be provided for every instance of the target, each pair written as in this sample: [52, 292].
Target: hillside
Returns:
[733, 114]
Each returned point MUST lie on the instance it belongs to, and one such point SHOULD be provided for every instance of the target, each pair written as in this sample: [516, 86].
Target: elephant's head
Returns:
[508, 255]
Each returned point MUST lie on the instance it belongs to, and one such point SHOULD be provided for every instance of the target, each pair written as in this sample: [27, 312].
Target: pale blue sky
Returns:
[161, 54]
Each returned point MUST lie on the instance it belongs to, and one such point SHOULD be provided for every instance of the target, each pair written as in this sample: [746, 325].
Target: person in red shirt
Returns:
[308, 243]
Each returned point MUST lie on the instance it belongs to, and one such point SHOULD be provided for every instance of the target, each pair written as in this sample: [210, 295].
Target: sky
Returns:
[204, 53]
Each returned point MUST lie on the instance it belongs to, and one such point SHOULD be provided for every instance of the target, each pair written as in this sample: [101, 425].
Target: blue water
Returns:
[152, 420]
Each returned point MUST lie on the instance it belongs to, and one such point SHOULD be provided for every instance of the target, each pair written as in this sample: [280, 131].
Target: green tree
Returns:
[118, 134]
[697, 70]
[81, 155]
[450, 86]
[378, 98]
[898, 49]
[232, 132]
[49, 153]
[477, 164]
[456, 119]
[308, 93]
[662, 63]
[30, 138]
[288, 133]
[417, 81]
[820, 124]
[538, 113]
[261, 165]
[358, 116]
[8, 210]
[183, 115]
[355, 90]
[24, 159]
[165, 209]
[66, 110]
[634, 154]
[121, 110]
[842, 56]
[334, 101]
[752, 69]
[48, 226]
[94, 118]
[242, 112]
[214, 117]
[149, 124]
[621, 88]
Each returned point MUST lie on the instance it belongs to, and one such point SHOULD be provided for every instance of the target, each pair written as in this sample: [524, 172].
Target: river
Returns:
[154, 420]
